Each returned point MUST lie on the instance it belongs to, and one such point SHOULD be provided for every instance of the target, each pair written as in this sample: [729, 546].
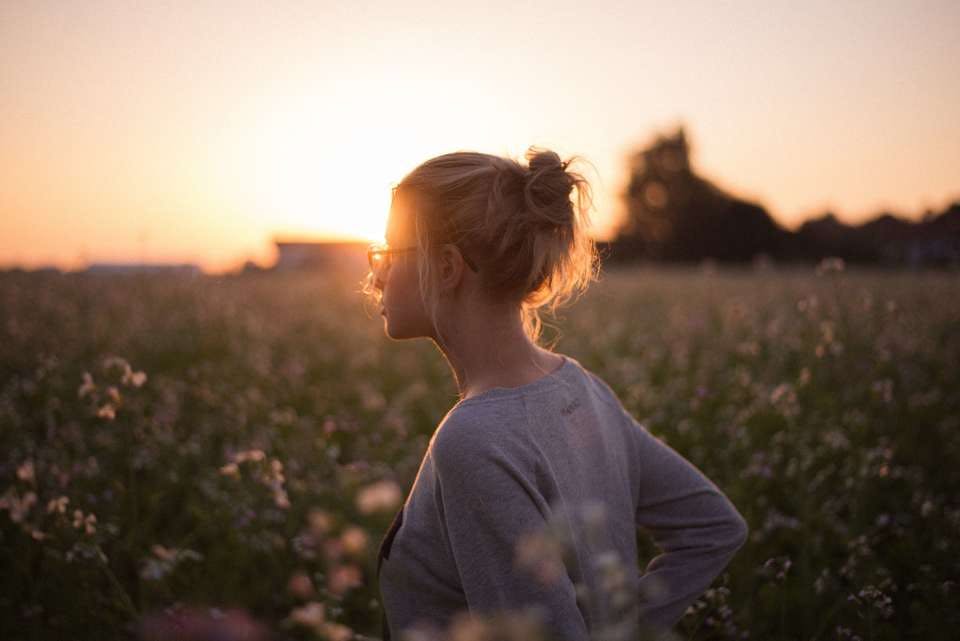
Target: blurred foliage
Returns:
[241, 444]
[676, 215]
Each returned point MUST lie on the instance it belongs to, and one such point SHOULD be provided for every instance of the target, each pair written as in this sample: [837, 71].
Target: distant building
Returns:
[181, 269]
[308, 255]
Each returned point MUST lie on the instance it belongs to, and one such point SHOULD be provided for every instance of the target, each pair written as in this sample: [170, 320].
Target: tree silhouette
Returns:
[675, 215]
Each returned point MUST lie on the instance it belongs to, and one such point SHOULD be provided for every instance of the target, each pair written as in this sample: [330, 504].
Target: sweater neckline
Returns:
[545, 382]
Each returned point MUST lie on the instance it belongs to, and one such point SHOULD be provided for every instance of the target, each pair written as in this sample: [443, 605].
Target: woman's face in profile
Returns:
[403, 312]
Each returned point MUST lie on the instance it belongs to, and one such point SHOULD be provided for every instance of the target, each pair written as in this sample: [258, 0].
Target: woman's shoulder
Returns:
[473, 424]
[598, 387]
[482, 431]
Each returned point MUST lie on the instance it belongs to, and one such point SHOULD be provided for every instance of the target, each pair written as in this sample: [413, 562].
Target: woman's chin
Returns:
[390, 329]
[397, 331]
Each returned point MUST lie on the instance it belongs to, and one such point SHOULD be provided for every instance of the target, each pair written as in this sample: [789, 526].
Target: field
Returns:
[243, 442]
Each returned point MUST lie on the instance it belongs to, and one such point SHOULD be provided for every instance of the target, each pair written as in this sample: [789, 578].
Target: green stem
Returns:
[125, 599]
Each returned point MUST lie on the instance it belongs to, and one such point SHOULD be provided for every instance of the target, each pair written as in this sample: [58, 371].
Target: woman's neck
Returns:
[485, 355]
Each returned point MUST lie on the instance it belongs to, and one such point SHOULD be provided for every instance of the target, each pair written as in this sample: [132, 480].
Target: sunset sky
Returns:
[196, 131]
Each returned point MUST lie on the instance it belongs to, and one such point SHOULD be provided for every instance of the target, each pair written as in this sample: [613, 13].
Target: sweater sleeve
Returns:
[489, 503]
[693, 523]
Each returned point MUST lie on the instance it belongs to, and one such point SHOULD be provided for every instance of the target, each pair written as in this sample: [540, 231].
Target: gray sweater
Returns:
[558, 460]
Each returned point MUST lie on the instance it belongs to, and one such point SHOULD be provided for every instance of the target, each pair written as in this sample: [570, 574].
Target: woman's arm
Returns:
[694, 524]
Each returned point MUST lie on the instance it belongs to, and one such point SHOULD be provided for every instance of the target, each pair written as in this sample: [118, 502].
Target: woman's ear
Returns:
[451, 266]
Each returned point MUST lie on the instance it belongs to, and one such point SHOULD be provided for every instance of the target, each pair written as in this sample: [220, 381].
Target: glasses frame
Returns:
[383, 250]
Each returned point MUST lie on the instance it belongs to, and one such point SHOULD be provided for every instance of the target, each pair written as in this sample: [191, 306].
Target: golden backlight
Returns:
[328, 169]
[200, 134]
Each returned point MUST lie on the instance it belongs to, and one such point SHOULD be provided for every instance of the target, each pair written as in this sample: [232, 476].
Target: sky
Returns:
[198, 131]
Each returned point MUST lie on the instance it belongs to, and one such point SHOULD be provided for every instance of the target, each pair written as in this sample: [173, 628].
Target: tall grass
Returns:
[243, 442]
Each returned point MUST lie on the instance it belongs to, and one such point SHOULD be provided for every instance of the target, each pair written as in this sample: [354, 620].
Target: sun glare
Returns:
[327, 169]
[325, 164]
[324, 188]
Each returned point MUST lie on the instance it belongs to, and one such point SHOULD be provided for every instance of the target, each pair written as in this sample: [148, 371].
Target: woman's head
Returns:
[517, 232]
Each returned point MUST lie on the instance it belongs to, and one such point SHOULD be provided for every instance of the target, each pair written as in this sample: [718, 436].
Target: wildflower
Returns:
[25, 472]
[759, 466]
[468, 628]
[540, 554]
[776, 519]
[87, 387]
[283, 416]
[137, 379]
[17, 507]
[784, 392]
[165, 560]
[249, 455]
[300, 585]
[280, 499]
[337, 632]
[231, 470]
[820, 584]
[343, 578]
[332, 550]
[115, 361]
[320, 522]
[311, 615]
[276, 467]
[777, 568]
[129, 376]
[379, 496]
[836, 439]
[846, 633]
[329, 426]
[873, 596]
[613, 576]
[354, 540]
[107, 411]
[163, 553]
[58, 505]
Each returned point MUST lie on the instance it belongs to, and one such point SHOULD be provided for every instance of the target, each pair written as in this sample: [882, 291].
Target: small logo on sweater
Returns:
[568, 409]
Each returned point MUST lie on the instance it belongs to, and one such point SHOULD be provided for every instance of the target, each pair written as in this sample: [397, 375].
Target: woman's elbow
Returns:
[738, 530]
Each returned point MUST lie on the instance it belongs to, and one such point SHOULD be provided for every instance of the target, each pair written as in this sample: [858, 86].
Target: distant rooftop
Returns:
[128, 268]
[298, 253]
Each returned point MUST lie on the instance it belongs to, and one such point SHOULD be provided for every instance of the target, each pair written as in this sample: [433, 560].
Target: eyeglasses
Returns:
[379, 256]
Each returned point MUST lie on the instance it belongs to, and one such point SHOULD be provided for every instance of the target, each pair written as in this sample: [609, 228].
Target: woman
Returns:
[476, 245]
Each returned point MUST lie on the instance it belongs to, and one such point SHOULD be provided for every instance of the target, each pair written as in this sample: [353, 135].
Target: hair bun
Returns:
[548, 187]
[544, 159]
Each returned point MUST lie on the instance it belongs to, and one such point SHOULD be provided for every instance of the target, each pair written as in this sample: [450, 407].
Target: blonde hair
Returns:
[518, 223]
